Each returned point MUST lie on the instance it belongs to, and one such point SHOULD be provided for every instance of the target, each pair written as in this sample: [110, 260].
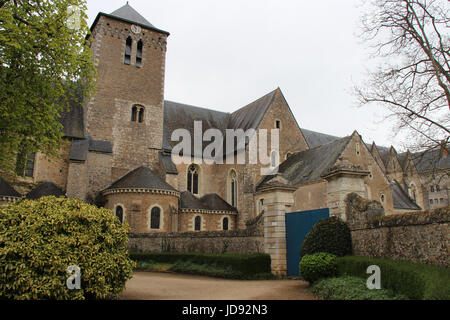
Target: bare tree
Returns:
[411, 38]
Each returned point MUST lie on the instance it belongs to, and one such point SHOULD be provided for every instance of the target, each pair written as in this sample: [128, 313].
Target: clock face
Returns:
[136, 29]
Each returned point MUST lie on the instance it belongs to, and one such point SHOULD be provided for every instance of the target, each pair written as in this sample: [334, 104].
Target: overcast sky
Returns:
[222, 55]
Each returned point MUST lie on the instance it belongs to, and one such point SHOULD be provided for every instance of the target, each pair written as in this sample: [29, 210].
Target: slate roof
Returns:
[250, 116]
[178, 115]
[431, 160]
[45, 189]
[167, 163]
[130, 15]
[308, 166]
[210, 202]
[72, 120]
[7, 191]
[182, 116]
[141, 178]
[80, 148]
[316, 139]
[402, 201]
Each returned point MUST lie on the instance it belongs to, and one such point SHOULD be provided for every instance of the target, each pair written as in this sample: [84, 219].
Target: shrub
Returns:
[40, 239]
[414, 280]
[245, 264]
[318, 266]
[350, 288]
[330, 235]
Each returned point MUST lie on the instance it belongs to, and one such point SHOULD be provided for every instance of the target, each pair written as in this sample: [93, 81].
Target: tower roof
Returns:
[128, 13]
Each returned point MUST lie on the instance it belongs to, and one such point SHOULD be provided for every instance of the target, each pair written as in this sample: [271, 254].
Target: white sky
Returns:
[223, 55]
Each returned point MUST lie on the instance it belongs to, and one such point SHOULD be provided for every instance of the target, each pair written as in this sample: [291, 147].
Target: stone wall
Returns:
[238, 242]
[248, 241]
[423, 236]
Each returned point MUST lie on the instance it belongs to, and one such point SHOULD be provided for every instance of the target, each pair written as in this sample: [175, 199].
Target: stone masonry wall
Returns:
[238, 242]
[422, 237]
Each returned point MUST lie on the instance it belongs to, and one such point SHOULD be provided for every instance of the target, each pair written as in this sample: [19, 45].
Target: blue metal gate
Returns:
[298, 225]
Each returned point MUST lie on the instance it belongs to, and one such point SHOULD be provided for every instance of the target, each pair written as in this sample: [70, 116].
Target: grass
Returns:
[350, 288]
[209, 270]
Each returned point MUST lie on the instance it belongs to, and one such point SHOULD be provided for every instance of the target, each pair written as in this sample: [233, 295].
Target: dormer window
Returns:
[140, 46]
[128, 46]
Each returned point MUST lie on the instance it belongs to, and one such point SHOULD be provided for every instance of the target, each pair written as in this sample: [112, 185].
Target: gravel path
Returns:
[166, 286]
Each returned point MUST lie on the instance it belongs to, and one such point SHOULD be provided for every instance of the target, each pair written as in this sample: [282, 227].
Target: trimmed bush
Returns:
[415, 280]
[40, 239]
[245, 264]
[350, 288]
[330, 235]
[318, 266]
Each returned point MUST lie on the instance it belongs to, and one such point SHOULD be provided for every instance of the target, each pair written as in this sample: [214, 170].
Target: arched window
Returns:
[134, 112]
[233, 189]
[128, 46]
[382, 198]
[198, 223]
[119, 213]
[192, 179]
[141, 115]
[155, 218]
[140, 46]
[225, 224]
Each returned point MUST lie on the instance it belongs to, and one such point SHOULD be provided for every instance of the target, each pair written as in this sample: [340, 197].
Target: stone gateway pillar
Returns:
[278, 199]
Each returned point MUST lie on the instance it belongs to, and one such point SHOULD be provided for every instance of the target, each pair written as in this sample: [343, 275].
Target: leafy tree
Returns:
[412, 40]
[45, 60]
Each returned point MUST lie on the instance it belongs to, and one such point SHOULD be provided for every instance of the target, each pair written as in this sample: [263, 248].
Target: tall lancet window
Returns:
[233, 189]
[192, 179]
[128, 46]
[140, 46]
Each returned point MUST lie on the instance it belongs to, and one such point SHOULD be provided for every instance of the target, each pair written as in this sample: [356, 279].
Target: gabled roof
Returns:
[250, 116]
[210, 202]
[141, 178]
[402, 201]
[45, 189]
[178, 115]
[7, 191]
[309, 166]
[317, 139]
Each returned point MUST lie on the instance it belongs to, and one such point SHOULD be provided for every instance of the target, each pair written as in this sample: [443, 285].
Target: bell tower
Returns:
[127, 108]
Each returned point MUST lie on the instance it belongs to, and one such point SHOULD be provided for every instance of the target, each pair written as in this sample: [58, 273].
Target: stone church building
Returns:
[117, 150]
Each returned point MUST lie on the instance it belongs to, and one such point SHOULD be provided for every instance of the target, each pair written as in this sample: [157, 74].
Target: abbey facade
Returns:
[117, 151]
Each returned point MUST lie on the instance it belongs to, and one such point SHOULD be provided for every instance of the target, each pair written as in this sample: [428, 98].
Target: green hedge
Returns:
[350, 288]
[330, 235]
[245, 264]
[40, 239]
[318, 266]
[414, 280]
